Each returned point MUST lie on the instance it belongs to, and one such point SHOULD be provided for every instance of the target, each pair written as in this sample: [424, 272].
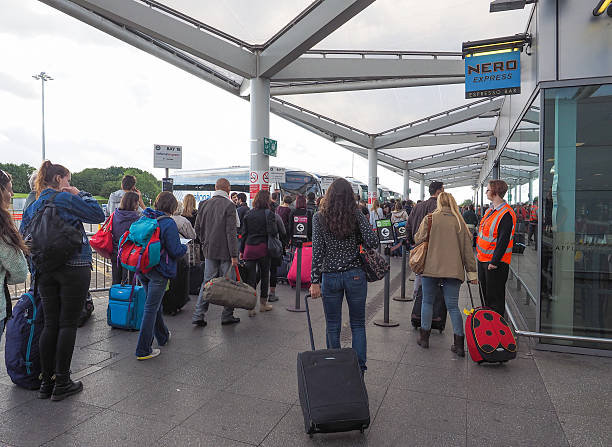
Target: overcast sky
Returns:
[109, 102]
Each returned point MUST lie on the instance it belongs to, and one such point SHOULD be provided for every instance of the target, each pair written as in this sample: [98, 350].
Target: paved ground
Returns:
[236, 386]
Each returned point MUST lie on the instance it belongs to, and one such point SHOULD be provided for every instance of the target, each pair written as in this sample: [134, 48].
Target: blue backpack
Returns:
[22, 333]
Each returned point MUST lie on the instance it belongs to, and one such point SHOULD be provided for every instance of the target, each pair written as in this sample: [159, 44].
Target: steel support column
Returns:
[406, 190]
[422, 189]
[372, 176]
[260, 126]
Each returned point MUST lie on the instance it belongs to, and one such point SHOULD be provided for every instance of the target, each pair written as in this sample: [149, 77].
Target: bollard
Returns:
[402, 296]
[386, 322]
[298, 282]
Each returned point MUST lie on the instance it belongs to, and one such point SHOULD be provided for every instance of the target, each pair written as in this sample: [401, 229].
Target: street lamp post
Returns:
[42, 76]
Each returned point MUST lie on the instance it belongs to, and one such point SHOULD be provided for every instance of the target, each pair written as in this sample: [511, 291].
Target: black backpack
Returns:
[51, 239]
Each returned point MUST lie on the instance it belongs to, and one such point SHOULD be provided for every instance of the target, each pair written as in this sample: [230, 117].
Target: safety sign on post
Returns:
[277, 175]
[300, 227]
[169, 157]
[385, 231]
[372, 195]
[270, 146]
[400, 230]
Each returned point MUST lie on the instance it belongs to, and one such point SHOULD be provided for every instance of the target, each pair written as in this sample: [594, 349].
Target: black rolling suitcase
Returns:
[196, 278]
[177, 294]
[438, 319]
[518, 245]
[332, 392]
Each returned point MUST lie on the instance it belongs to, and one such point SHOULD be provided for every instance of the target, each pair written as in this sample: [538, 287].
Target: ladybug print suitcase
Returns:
[488, 336]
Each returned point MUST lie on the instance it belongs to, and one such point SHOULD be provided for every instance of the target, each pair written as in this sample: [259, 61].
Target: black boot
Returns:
[458, 346]
[423, 340]
[46, 386]
[65, 387]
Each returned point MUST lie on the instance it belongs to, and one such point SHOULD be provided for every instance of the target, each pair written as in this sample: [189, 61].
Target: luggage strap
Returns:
[312, 344]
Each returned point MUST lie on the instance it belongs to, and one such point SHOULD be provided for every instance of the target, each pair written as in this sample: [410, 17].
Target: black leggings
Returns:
[263, 264]
[493, 285]
[63, 293]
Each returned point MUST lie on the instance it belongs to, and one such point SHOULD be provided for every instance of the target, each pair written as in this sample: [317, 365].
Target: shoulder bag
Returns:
[275, 246]
[224, 291]
[419, 253]
[102, 241]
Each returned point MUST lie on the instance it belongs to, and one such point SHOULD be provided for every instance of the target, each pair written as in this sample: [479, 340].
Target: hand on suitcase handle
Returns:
[315, 291]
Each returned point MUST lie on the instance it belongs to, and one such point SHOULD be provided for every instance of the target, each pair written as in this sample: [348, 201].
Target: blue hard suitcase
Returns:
[125, 306]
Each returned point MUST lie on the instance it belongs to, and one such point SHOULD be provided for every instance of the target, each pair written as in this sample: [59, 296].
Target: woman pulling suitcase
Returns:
[449, 256]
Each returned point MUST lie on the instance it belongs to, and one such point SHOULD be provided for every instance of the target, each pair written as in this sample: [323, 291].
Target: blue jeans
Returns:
[450, 288]
[213, 268]
[333, 288]
[152, 320]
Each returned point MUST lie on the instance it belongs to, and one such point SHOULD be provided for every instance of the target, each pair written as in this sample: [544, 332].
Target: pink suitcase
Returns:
[306, 267]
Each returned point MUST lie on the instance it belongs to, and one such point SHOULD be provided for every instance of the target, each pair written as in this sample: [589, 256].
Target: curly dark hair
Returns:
[338, 209]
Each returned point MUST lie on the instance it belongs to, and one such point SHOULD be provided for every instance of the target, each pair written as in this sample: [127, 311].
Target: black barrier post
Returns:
[402, 296]
[386, 322]
[298, 282]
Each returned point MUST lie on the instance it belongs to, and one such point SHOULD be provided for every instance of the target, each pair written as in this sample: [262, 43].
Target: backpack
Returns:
[23, 330]
[140, 246]
[52, 240]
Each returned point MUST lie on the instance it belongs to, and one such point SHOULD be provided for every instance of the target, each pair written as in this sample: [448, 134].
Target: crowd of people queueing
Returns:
[232, 234]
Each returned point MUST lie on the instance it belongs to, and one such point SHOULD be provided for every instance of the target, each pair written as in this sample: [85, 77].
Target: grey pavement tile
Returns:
[113, 429]
[429, 412]
[250, 351]
[284, 356]
[241, 418]
[83, 358]
[577, 384]
[443, 381]
[193, 343]
[122, 342]
[394, 433]
[161, 367]
[586, 430]
[211, 373]
[438, 356]
[39, 421]
[379, 372]
[388, 352]
[183, 437]
[517, 383]
[268, 381]
[520, 426]
[11, 396]
[168, 402]
[93, 333]
[106, 387]
[290, 431]
[473, 441]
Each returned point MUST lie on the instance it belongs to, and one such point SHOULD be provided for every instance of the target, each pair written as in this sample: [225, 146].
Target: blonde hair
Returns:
[446, 199]
[189, 205]
[375, 205]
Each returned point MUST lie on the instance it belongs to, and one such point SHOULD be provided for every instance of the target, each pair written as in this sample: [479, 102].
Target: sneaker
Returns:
[154, 353]
[272, 298]
[201, 323]
[230, 320]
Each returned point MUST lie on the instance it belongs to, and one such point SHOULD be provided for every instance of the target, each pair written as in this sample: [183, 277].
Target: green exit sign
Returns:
[270, 147]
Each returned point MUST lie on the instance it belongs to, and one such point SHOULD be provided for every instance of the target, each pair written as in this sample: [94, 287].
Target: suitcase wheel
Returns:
[362, 430]
[441, 330]
[480, 362]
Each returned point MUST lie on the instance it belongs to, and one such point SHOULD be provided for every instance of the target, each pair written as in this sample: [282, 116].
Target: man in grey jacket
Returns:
[128, 184]
[215, 226]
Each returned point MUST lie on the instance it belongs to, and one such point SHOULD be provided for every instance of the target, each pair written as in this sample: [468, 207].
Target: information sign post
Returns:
[384, 230]
[300, 234]
[167, 157]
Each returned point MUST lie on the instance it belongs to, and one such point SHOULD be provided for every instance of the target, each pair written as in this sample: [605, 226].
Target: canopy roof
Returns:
[342, 69]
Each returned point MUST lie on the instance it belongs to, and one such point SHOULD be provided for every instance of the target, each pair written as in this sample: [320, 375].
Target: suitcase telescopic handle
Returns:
[312, 344]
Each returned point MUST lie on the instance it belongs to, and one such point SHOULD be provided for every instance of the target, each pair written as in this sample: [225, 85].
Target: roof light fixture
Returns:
[601, 7]
[496, 45]
[508, 5]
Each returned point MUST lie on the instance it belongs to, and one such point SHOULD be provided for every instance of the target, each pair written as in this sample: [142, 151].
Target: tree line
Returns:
[97, 181]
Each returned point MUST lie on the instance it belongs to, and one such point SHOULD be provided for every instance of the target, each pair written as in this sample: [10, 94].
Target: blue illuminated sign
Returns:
[493, 75]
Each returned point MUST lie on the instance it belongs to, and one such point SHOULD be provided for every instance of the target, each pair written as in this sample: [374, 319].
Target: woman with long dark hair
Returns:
[338, 230]
[123, 217]
[13, 265]
[63, 290]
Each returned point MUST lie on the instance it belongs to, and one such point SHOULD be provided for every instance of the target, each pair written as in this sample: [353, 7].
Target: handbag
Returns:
[275, 246]
[226, 292]
[102, 241]
[374, 265]
[419, 253]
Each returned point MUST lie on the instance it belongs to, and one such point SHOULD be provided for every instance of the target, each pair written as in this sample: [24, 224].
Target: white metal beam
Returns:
[436, 122]
[332, 127]
[392, 165]
[156, 48]
[521, 157]
[434, 175]
[443, 138]
[354, 68]
[350, 86]
[460, 183]
[173, 31]
[391, 161]
[435, 160]
[317, 24]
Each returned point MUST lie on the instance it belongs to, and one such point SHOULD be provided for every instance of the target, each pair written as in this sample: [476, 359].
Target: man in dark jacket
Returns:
[216, 226]
[242, 208]
[311, 204]
[416, 216]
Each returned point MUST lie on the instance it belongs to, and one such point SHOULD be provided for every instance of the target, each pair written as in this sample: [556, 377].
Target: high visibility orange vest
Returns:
[534, 213]
[487, 234]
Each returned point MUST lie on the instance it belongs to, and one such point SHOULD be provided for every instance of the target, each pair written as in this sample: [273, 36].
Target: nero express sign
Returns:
[493, 75]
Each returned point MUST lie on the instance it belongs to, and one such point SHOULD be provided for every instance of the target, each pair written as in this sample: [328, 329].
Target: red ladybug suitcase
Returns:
[488, 336]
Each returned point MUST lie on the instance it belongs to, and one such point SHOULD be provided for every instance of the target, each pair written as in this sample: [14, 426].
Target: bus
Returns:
[201, 183]
[362, 188]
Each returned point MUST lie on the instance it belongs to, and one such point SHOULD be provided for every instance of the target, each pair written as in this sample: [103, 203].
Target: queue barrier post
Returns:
[386, 321]
[402, 296]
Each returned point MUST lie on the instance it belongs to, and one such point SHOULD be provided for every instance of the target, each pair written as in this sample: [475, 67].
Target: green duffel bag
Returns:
[226, 292]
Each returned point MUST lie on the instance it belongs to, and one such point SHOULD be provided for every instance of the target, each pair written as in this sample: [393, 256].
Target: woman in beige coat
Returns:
[449, 256]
